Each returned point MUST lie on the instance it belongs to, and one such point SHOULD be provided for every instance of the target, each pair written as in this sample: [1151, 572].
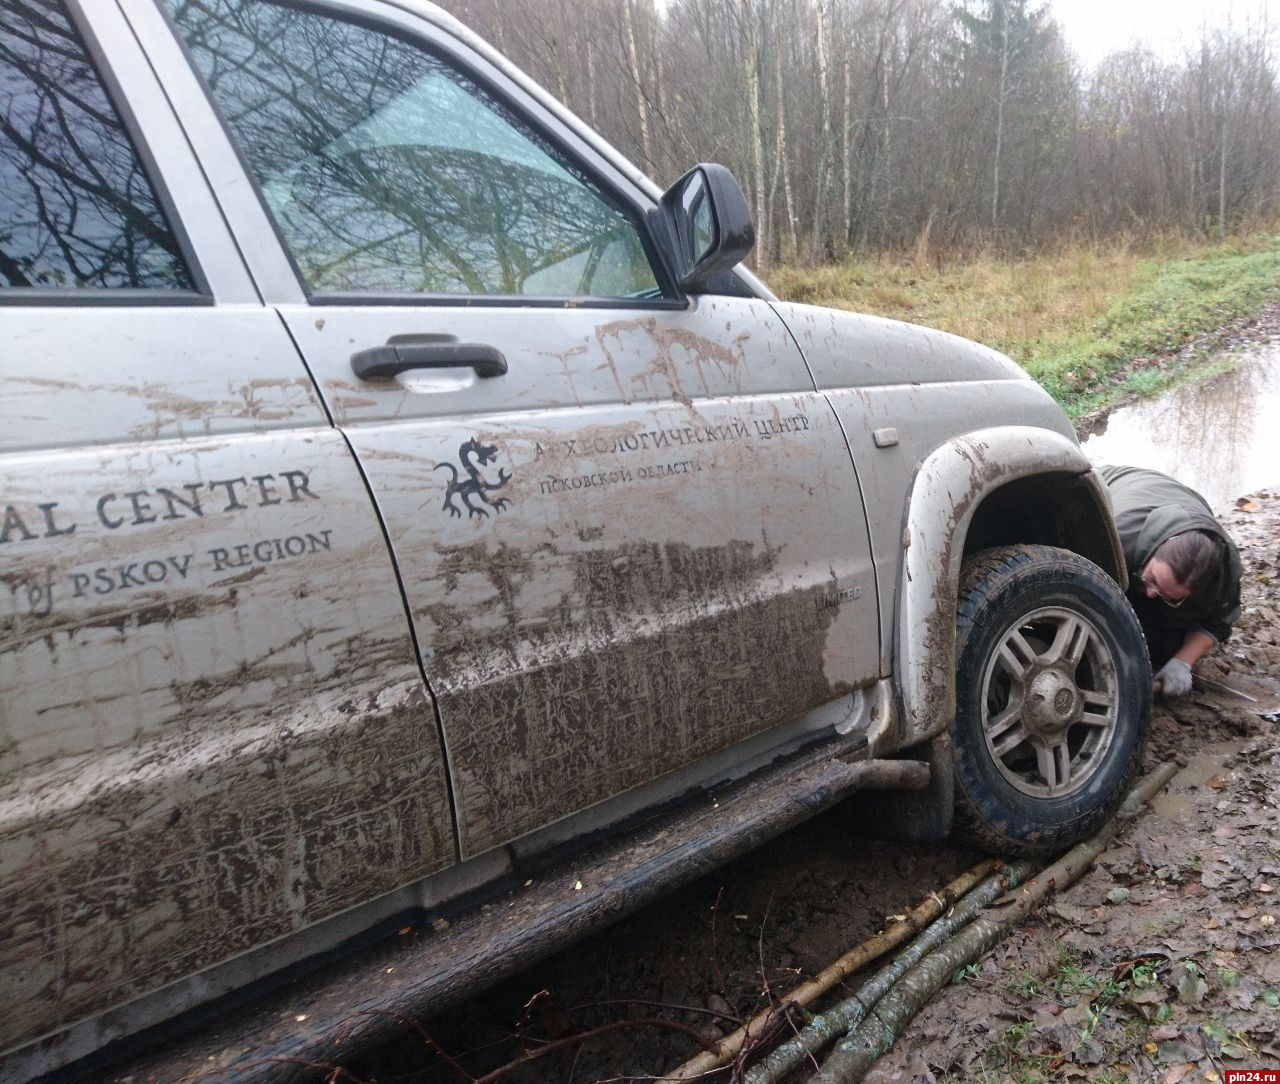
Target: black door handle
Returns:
[381, 362]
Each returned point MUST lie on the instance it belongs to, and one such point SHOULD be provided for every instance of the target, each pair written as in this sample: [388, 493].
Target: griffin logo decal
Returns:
[473, 456]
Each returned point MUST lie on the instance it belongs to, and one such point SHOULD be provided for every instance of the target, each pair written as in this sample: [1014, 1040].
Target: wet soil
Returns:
[1159, 966]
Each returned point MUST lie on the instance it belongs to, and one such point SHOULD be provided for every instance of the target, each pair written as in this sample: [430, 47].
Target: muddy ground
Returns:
[1158, 966]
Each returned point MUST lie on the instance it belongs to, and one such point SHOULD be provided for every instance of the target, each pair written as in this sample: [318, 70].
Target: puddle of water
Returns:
[1178, 798]
[1220, 436]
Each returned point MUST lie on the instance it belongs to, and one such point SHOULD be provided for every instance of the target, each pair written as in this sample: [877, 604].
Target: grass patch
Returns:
[1092, 323]
[1100, 1017]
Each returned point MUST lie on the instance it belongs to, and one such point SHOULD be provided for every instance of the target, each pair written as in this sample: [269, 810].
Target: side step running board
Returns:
[327, 1016]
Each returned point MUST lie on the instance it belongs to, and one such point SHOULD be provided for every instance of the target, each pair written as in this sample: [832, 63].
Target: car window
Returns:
[389, 171]
[76, 208]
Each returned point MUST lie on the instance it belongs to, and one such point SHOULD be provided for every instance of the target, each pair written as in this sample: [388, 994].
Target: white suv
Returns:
[401, 493]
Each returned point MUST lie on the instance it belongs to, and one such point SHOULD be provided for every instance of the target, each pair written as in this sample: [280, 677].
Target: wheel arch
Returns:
[999, 486]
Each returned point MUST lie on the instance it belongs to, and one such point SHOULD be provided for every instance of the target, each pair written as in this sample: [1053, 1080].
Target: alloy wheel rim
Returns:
[1050, 702]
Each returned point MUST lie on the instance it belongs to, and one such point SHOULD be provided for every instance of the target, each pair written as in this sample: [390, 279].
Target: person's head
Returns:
[1186, 565]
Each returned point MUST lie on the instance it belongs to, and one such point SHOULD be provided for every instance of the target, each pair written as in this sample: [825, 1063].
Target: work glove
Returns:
[1175, 677]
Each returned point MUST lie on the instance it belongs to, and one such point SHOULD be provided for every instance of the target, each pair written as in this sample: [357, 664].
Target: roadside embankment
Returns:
[1095, 324]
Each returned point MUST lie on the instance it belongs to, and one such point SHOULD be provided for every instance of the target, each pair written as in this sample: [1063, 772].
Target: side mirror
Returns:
[708, 219]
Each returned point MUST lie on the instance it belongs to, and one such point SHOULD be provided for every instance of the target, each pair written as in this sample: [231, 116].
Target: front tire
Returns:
[1053, 699]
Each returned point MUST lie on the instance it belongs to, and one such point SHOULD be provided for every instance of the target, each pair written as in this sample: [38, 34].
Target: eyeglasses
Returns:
[1172, 603]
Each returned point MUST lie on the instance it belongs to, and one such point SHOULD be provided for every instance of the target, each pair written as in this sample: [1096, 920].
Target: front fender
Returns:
[948, 488]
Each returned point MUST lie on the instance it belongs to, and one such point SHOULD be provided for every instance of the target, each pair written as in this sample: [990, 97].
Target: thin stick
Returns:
[409, 1021]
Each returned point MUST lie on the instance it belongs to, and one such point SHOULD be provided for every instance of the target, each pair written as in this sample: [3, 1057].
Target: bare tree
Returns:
[894, 123]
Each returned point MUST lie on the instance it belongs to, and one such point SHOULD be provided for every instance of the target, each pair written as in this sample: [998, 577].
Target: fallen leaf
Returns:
[1175, 1051]
[1149, 1004]
[717, 1004]
[1089, 1052]
[1242, 996]
[1166, 1031]
[1246, 505]
[1177, 1073]
[1215, 782]
[1236, 1051]
[1215, 1031]
[1191, 985]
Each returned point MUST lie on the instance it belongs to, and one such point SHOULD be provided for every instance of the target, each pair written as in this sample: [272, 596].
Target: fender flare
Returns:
[949, 486]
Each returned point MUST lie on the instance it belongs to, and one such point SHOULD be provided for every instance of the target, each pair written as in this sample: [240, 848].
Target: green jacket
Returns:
[1149, 507]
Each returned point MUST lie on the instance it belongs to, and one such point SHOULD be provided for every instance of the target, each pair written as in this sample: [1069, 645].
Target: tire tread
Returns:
[982, 575]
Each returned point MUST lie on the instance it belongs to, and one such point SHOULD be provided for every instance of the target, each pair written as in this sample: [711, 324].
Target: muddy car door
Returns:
[213, 727]
[629, 531]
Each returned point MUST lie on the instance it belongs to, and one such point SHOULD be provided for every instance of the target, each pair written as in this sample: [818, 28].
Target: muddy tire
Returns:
[1053, 699]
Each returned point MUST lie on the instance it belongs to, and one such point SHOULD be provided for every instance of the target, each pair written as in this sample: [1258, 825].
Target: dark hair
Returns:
[1196, 560]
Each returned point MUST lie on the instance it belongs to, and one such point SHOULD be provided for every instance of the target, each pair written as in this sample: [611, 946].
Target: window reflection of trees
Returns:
[342, 126]
[77, 209]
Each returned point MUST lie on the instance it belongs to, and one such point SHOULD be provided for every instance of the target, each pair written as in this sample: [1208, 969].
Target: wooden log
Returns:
[820, 1031]
[865, 1044]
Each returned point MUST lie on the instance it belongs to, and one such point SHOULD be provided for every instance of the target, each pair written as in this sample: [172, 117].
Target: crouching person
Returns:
[1184, 570]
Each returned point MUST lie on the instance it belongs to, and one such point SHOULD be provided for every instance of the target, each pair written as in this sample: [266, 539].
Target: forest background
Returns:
[871, 125]
[952, 164]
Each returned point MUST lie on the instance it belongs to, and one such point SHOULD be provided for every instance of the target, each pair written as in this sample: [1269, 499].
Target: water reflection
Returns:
[1220, 436]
